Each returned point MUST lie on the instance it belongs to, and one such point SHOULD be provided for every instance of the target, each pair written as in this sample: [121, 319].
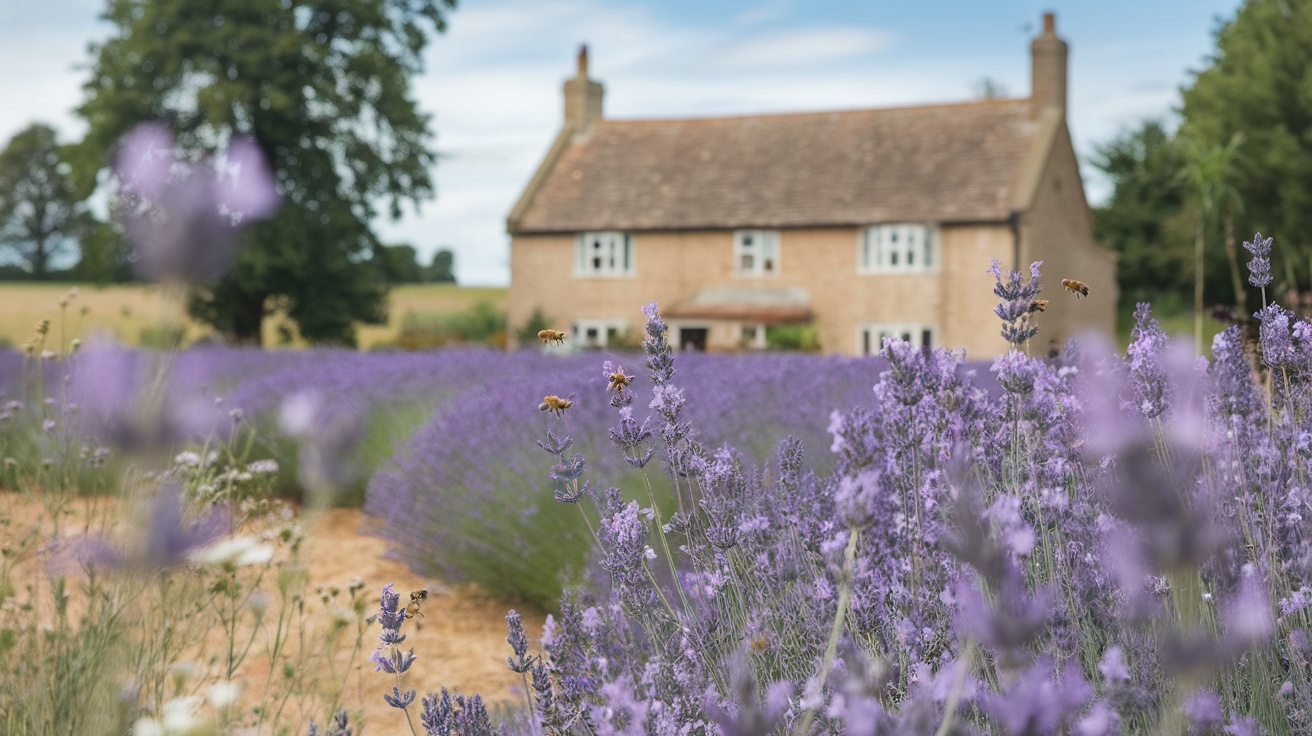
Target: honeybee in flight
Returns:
[1078, 288]
[416, 597]
[556, 404]
[618, 380]
[555, 336]
[1038, 305]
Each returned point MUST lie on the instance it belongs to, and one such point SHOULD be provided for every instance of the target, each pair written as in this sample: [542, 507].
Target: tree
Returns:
[1256, 84]
[106, 255]
[400, 264]
[323, 88]
[1141, 219]
[1207, 174]
[39, 203]
[441, 270]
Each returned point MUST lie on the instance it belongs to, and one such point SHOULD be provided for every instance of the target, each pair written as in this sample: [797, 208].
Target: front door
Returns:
[692, 338]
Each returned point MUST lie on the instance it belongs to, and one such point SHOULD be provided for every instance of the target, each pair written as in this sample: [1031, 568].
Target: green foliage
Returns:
[803, 338]
[1257, 86]
[323, 88]
[481, 323]
[441, 270]
[1141, 220]
[400, 265]
[163, 336]
[106, 254]
[39, 206]
[528, 333]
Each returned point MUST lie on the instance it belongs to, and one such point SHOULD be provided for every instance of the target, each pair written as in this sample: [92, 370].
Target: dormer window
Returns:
[756, 252]
[898, 248]
[606, 253]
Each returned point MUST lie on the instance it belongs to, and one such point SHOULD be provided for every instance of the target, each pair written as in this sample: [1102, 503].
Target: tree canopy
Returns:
[323, 88]
[39, 205]
[1258, 85]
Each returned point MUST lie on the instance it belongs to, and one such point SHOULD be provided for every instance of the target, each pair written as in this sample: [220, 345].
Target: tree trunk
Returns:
[247, 320]
[1198, 287]
[1232, 254]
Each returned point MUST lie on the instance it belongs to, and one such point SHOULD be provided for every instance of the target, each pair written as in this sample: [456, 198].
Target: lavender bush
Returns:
[1094, 544]
[464, 499]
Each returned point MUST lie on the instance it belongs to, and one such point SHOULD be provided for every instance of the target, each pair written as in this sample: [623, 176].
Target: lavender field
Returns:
[1087, 543]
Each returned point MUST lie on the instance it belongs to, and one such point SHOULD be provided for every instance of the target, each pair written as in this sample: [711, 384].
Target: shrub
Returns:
[802, 338]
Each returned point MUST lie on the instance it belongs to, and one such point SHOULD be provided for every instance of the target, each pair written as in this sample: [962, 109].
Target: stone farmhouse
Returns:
[862, 223]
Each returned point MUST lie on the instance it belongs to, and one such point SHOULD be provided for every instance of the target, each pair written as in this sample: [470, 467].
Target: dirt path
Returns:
[460, 640]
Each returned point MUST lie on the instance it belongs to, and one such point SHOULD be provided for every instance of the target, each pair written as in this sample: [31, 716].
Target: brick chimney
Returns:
[1047, 69]
[582, 96]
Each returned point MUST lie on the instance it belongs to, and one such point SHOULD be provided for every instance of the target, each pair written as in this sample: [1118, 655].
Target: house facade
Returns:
[861, 223]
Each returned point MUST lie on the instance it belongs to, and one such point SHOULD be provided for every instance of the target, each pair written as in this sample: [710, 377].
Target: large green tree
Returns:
[40, 208]
[1258, 84]
[1141, 219]
[323, 88]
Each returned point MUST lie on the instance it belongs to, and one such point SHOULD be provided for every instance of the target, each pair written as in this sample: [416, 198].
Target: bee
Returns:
[555, 336]
[416, 597]
[1078, 288]
[758, 643]
[1038, 305]
[618, 380]
[556, 404]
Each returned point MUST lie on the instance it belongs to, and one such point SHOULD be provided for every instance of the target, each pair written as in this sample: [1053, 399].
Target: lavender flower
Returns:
[341, 726]
[183, 217]
[1041, 702]
[328, 435]
[1017, 301]
[1259, 268]
[518, 641]
[165, 540]
[1147, 376]
[455, 715]
[387, 656]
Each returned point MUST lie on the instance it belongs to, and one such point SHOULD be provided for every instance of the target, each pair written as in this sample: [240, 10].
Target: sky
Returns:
[492, 82]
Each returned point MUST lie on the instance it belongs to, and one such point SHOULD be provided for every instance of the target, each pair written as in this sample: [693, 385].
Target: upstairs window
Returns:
[900, 248]
[756, 252]
[870, 337]
[607, 253]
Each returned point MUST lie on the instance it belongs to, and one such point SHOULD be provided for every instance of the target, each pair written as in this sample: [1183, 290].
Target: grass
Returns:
[134, 313]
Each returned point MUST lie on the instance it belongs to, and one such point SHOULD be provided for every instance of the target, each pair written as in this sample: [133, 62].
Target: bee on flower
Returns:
[1078, 288]
[550, 336]
[618, 380]
[1038, 305]
[554, 403]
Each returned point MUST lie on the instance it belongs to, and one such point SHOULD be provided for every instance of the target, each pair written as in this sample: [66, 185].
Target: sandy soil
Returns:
[460, 639]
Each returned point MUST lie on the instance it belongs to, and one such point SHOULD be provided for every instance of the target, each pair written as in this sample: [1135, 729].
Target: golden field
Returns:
[129, 311]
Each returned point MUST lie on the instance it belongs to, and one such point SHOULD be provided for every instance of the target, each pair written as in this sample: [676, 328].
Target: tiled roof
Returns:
[960, 162]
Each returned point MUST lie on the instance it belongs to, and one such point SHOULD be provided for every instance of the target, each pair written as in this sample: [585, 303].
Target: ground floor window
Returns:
[752, 337]
[870, 337]
[598, 333]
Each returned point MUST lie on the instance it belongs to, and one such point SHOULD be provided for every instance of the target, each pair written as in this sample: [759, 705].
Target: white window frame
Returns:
[604, 254]
[870, 335]
[762, 246]
[603, 328]
[903, 247]
[756, 340]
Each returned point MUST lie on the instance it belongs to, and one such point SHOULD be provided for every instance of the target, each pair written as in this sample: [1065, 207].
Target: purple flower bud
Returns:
[183, 216]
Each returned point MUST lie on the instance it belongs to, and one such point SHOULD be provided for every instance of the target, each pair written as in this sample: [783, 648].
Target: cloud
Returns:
[809, 46]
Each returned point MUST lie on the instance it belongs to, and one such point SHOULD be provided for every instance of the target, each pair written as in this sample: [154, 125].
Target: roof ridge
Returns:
[818, 113]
